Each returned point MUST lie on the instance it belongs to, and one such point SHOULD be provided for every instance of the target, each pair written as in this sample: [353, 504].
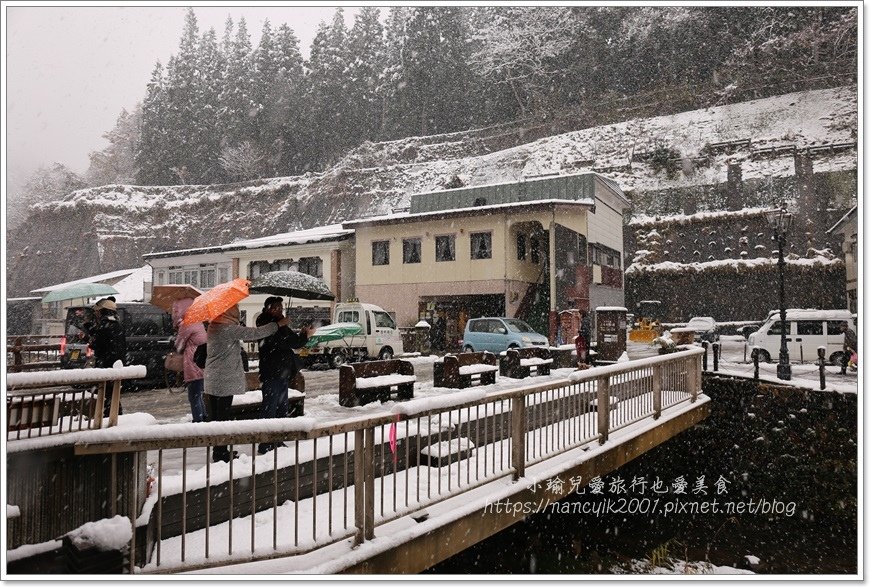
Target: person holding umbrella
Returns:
[108, 341]
[277, 363]
[224, 374]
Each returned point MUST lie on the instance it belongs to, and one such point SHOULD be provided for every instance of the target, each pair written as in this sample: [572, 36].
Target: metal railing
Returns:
[45, 411]
[32, 352]
[345, 479]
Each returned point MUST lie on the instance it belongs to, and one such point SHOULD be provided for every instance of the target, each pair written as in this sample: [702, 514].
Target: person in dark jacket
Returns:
[108, 342]
[581, 341]
[850, 345]
[278, 364]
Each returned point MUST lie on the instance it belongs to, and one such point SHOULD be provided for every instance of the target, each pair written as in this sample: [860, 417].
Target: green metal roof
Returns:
[566, 187]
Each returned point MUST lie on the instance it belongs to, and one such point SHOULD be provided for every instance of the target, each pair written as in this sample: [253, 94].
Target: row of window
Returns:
[309, 265]
[204, 276]
[528, 247]
[445, 249]
[810, 327]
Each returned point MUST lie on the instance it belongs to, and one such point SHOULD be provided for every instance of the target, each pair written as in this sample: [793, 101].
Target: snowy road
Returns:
[174, 407]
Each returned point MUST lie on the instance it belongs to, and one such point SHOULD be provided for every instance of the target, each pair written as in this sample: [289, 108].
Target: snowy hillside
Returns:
[110, 227]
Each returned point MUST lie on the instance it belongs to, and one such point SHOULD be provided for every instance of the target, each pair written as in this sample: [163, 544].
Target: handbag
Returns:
[174, 362]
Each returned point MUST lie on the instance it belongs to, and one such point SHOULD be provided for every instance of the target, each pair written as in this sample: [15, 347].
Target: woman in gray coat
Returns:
[224, 375]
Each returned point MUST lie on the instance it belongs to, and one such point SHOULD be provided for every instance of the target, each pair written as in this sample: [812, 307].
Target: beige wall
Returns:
[399, 286]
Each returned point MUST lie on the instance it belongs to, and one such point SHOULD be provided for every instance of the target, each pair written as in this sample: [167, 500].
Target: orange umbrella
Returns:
[216, 301]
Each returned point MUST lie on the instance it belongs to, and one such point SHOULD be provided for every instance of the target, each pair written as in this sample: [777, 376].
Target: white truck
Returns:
[377, 337]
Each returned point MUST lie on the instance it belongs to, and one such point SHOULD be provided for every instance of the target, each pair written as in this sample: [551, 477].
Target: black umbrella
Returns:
[292, 284]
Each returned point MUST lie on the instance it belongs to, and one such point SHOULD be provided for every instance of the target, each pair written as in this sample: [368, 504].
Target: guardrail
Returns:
[32, 352]
[346, 479]
[43, 413]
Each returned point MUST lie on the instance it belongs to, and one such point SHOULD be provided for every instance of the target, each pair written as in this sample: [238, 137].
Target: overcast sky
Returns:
[70, 70]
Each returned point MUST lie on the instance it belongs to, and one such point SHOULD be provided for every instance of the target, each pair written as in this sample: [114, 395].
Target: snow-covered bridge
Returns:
[394, 492]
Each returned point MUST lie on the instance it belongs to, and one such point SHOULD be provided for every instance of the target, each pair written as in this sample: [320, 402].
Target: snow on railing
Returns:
[325, 483]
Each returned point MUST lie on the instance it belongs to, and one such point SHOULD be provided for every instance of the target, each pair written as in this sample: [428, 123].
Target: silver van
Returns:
[805, 331]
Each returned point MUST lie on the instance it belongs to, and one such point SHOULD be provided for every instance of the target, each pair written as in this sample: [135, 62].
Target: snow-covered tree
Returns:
[365, 68]
[243, 162]
[117, 162]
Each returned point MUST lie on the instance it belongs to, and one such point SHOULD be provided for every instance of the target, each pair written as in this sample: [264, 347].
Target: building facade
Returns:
[847, 226]
[527, 250]
[323, 252]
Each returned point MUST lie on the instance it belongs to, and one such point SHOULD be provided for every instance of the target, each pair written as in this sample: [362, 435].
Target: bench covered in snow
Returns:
[361, 383]
[518, 363]
[459, 371]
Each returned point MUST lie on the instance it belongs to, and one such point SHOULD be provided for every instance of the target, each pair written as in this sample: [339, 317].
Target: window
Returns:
[223, 275]
[809, 327]
[582, 258]
[311, 266]
[535, 246]
[836, 327]
[602, 255]
[445, 248]
[411, 250]
[521, 247]
[776, 328]
[380, 252]
[478, 202]
[348, 316]
[481, 245]
[383, 320]
[198, 276]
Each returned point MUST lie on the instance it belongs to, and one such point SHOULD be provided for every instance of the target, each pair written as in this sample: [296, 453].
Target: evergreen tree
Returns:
[392, 105]
[117, 162]
[285, 104]
[183, 108]
[152, 159]
[327, 91]
[366, 49]
[211, 67]
[237, 104]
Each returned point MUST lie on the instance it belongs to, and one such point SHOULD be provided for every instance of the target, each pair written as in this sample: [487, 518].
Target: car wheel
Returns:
[386, 354]
[763, 356]
[836, 359]
[337, 359]
[468, 349]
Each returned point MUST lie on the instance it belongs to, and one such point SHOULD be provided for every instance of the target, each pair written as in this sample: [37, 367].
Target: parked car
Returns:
[704, 327]
[499, 334]
[805, 332]
[148, 330]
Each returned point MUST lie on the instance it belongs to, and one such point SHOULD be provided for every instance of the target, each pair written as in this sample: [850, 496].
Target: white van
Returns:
[378, 337]
[805, 331]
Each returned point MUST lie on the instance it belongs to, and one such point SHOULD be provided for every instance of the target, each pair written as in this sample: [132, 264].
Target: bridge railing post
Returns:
[370, 483]
[603, 385]
[657, 391]
[518, 436]
[359, 485]
[101, 402]
[696, 376]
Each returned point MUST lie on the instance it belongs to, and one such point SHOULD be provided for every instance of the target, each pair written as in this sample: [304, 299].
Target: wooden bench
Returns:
[246, 406]
[361, 383]
[459, 371]
[518, 363]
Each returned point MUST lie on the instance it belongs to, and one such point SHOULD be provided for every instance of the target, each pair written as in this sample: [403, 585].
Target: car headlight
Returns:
[526, 339]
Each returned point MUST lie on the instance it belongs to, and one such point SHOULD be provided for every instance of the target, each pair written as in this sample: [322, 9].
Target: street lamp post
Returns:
[780, 221]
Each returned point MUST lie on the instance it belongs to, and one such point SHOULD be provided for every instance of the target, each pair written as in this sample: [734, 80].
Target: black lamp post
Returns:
[780, 221]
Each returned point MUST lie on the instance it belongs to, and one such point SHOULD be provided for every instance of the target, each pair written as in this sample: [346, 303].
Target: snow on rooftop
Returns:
[317, 234]
[471, 210]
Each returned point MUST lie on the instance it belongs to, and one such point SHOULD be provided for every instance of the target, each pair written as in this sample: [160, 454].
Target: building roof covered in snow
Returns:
[846, 217]
[130, 283]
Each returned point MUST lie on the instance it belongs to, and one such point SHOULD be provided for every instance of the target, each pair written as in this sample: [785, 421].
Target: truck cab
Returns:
[378, 338]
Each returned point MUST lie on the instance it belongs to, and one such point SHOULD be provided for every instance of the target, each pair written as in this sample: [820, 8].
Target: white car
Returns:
[705, 327]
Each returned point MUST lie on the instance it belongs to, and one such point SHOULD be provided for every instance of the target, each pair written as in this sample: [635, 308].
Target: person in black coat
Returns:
[278, 364]
[108, 341]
